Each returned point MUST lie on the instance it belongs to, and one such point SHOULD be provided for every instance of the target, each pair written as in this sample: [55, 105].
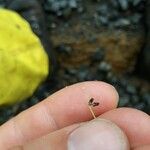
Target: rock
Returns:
[98, 55]
[61, 7]
[111, 78]
[104, 67]
[136, 2]
[140, 106]
[135, 18]
[2, 3]
[135, 99]
[123, 4]
[82, 73]
[131, 89]
[146, 98]
[121, 48]
[64, 49]
[122, 23]
[84, 34]
[124, 101]
[144, 57]
[120, 34]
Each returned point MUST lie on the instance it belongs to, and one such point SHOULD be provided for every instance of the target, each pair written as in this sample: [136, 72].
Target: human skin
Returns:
[50, 123]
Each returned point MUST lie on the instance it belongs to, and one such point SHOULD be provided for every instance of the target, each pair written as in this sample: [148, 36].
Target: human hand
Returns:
[62, 121]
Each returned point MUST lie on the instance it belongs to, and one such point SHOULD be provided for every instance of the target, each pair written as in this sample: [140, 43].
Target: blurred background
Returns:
[106, 40]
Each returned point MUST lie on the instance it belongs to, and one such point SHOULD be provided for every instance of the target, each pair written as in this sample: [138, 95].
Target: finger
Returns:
[135, 123]
[97, 134]
[145, 147]
[63, 108]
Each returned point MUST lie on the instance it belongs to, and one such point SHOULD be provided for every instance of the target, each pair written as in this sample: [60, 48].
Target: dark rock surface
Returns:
[121, 36]
[144, 58]
[90, 44]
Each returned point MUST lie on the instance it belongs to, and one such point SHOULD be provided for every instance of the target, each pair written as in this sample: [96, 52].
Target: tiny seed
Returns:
[91, 104]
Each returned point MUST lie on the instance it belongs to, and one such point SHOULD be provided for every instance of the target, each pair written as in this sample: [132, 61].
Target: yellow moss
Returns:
[23, 61]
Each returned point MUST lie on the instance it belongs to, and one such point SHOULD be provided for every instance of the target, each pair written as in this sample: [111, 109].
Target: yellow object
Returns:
[23, 61]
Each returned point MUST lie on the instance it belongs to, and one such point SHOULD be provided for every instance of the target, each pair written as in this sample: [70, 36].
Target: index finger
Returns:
[63, 108]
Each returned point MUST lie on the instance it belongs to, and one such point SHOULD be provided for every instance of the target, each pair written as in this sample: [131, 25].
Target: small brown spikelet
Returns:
[91, 104]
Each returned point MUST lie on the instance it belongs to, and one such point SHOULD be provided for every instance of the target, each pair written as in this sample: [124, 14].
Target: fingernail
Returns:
[98, 134]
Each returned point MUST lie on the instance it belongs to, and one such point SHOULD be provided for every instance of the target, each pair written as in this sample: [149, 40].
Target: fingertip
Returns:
[134, 122]
[112, 94]
[101, 90]
[77, 96]
[105, 93]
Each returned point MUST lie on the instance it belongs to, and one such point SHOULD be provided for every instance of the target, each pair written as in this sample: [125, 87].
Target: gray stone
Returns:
[123, 4]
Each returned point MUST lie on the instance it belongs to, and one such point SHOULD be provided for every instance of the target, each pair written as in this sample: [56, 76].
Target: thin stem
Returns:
[92, 112]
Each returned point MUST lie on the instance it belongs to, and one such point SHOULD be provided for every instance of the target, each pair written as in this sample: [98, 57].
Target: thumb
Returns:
[98, 134]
